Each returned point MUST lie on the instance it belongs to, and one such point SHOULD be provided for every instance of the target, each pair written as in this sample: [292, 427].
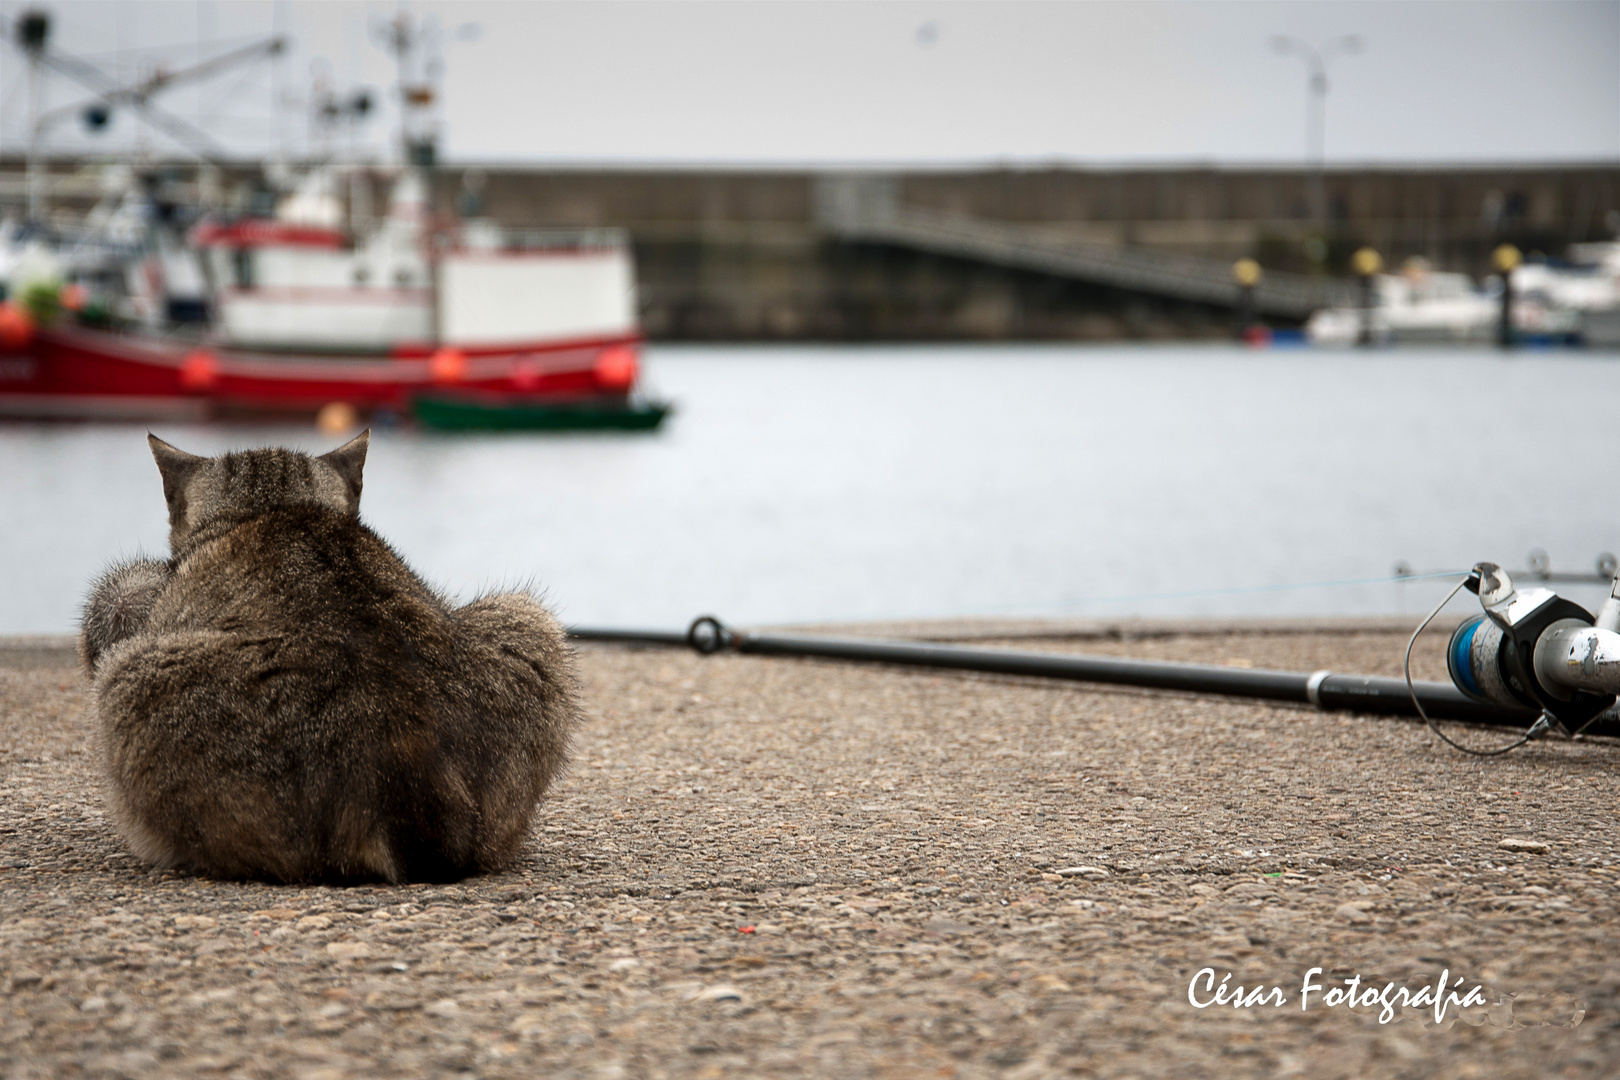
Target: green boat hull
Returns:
[449, 414]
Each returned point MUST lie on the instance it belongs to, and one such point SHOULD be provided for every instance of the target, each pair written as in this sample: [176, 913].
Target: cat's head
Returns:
[248, 483]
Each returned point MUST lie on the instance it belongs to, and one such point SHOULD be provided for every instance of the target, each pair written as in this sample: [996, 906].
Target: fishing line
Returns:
[1240, 589]
[1537, 728]
[1035, 610]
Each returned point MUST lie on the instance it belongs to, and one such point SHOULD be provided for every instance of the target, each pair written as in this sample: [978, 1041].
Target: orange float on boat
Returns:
[199, 371]
[16, 328]
[447, 366]
[616, 368]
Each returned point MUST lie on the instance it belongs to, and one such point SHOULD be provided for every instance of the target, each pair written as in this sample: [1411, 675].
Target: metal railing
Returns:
[521, 240]
[867, 209]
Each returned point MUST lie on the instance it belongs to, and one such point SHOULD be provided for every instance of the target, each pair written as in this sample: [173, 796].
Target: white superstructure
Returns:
[297, 283]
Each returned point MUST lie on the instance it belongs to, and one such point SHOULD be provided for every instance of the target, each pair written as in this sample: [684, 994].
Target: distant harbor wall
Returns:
[752, 255]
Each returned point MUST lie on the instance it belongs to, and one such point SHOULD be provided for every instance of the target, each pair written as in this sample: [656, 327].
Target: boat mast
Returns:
[416, 72]
[404, 39]
[417, 61]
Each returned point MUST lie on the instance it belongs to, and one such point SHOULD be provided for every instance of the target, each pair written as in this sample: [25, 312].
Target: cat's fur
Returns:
[284, 699]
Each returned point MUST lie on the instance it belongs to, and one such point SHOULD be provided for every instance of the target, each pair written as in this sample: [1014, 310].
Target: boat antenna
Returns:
[417, 49]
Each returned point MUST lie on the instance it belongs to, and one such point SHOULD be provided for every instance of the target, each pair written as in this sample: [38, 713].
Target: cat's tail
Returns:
[119, 605]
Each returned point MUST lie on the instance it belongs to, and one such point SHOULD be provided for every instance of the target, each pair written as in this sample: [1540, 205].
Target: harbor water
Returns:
[809, 484]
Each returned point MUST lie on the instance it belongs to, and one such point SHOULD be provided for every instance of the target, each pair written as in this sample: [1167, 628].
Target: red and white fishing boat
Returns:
[455, 327]
[318, 307]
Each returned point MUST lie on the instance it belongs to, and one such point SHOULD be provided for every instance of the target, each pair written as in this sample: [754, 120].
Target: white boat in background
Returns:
[1416, 305]
[1599, 300]
[1573, 301]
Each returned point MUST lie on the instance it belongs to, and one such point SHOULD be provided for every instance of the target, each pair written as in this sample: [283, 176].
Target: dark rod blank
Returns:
[1325, 690]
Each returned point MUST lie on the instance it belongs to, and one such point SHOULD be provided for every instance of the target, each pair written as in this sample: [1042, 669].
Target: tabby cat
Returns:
[284, 698]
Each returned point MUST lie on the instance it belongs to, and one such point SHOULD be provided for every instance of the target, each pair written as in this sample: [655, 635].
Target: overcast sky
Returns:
[919, 83]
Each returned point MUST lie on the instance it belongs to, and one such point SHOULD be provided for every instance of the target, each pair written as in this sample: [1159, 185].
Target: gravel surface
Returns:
[770, 867]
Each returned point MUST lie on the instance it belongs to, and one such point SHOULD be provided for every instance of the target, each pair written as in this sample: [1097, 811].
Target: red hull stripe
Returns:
[244, 234]
[93, 365]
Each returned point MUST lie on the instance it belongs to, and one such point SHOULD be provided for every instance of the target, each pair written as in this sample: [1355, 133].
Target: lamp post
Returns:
[1366, 262]
[1316, 66]
[1506, 258]
[1247, 273]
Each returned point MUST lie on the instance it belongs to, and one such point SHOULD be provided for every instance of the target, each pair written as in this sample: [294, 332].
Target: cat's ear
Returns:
[348, 461]
[176, 466]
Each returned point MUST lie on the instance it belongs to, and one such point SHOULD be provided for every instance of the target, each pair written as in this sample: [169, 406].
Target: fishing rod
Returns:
[1325, 690]
[1532, 661]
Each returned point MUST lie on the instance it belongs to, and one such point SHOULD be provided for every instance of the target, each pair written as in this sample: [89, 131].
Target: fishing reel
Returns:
[1533, 648]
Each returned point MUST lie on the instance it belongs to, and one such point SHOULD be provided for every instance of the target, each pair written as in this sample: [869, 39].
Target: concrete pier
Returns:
[764, 867]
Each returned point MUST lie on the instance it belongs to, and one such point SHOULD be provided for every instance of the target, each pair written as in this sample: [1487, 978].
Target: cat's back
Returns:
[310, 574]
[298, 629]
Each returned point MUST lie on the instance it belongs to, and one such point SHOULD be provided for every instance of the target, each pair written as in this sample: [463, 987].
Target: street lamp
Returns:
[1316, 65]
